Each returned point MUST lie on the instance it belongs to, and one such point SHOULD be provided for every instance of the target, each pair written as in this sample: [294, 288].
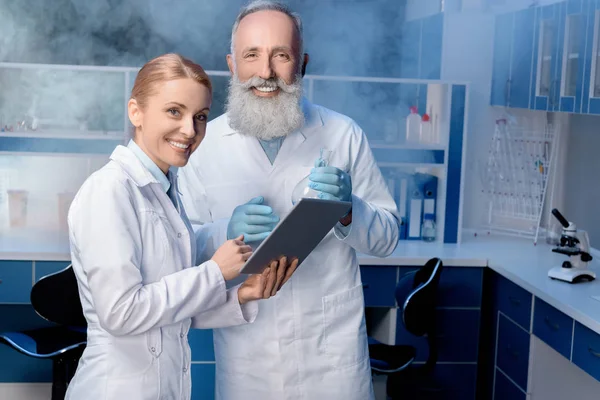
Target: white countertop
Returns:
[516, 259]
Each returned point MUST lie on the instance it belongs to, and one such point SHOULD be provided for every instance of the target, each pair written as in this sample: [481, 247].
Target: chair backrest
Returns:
[55, 297]
[416, 294]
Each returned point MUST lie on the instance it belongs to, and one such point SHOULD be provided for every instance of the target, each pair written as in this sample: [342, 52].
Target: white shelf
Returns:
[405, 146]
[66, 134]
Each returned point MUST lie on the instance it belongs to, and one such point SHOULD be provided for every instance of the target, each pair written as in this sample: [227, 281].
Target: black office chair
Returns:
[56, 299]
[416, 295]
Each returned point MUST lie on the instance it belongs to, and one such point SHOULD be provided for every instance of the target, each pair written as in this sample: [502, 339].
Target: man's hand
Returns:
[267, 284]
[253, 220]
[332, 182]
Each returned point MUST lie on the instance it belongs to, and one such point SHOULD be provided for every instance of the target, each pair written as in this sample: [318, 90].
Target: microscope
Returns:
[576, 245]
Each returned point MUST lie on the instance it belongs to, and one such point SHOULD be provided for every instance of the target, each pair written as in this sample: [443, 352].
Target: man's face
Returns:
[266, 86]
[266, 45]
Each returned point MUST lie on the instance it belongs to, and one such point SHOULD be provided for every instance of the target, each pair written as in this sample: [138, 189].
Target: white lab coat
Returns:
[133, 253]
[308, 342]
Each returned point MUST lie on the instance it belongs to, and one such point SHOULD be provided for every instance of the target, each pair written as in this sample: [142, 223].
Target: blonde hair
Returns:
[165, 68]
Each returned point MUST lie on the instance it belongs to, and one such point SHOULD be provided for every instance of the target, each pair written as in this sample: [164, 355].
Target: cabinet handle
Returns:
[365, 285]
[550, 324]
[0, 281]
[511, 352]
[594, 353]
[514, 300]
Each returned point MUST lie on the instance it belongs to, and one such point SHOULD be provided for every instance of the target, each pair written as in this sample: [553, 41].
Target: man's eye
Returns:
[201, 117]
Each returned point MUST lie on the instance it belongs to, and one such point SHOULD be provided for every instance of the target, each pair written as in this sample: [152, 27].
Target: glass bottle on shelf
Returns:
[301, 190]
[428, 228]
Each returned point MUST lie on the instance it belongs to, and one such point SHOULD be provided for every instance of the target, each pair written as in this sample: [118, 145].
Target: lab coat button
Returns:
[181, 335]
[152, 349]
[178, 234]
[184, 369]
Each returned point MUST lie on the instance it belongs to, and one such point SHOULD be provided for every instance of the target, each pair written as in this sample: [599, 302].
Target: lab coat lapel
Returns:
[289, 148]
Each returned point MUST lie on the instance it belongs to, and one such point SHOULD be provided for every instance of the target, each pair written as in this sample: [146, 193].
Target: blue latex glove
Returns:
[253, 220]
[331, 182]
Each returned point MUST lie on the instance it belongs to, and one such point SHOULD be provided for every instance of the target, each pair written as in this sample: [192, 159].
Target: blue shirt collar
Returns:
[150, 165]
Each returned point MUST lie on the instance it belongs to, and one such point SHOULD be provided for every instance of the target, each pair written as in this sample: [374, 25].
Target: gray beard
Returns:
[264, 118]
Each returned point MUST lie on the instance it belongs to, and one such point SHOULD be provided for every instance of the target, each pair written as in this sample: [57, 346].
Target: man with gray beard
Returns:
[309, 341]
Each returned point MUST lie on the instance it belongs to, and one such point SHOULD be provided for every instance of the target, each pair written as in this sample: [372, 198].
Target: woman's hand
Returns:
[267, 284]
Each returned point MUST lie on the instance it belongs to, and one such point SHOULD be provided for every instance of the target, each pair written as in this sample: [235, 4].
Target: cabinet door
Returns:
[502, 53]
[571, 48]
[522, 59]
[591, 87]
[546, 38]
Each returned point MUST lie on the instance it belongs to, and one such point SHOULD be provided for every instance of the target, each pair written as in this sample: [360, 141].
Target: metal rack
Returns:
[515, 178]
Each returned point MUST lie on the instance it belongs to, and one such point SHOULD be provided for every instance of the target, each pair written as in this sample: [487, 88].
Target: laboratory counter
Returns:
[516, 259]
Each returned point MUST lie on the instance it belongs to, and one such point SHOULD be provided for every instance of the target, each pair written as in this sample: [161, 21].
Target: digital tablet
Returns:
[298, 233]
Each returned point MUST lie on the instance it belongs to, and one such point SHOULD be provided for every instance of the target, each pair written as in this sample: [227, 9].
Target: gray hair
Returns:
[270, 5]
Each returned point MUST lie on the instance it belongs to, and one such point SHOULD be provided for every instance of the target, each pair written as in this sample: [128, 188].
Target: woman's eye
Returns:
[173, 112]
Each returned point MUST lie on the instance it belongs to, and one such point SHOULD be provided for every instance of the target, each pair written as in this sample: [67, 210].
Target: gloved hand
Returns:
[253, 220]
[332, 182]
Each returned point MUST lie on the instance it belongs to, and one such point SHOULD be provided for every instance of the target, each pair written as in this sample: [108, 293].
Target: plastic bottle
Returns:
[426, 133]
[413, 126]
[428, 228]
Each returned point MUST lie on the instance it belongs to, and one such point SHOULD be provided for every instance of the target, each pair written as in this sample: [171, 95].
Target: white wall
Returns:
[581, 186]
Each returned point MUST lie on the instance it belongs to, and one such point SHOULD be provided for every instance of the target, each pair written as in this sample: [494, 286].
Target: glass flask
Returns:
[301, 190]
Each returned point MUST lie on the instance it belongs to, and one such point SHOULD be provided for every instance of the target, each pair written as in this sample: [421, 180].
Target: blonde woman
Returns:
[133, 250]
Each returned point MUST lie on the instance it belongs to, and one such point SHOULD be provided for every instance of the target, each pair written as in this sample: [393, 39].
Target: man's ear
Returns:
[230, 63]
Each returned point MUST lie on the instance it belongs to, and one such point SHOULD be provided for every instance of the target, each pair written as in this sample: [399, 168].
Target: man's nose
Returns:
[266, 70]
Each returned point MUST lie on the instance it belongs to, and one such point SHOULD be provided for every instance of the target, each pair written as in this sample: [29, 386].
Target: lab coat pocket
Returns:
[345, 333]
[130, 356]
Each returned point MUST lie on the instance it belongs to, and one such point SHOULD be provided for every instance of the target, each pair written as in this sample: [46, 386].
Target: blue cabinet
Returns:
[547, 34]
[505, 358]
[586, 350]
[553, 327]
[591, 85]
[15, 282]
[458, 327]
[513, 59]
[379, 285]
[559, 47]
[505, 389]
[545, 58]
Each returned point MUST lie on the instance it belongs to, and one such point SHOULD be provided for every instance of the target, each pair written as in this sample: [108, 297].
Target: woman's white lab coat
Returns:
[309, 341]
[134, 254]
